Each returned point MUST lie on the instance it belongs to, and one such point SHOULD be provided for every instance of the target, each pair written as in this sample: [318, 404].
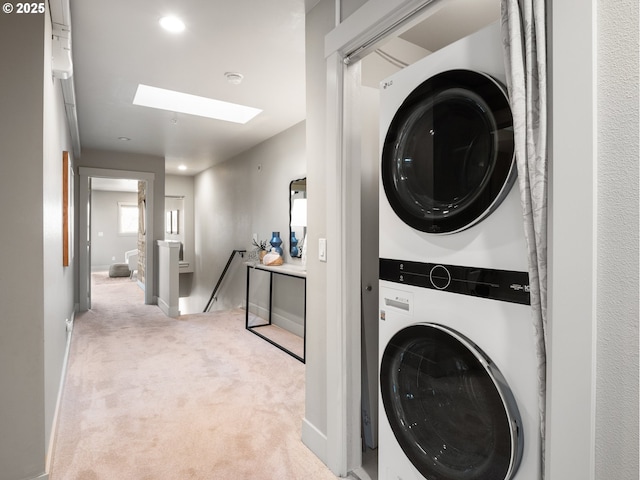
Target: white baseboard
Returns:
[288, 324]
[169, 311]
[294, 325]
[44, 476]
[315, 440]
[63, 376]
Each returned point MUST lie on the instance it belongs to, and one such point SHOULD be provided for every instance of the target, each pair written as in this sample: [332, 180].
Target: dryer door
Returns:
[449, 407]
[448, 156]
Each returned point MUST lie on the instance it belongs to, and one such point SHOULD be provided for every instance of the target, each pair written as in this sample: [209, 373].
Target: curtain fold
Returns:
[524, 45]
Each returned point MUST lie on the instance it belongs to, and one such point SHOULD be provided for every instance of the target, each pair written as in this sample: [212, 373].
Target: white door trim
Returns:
[370, 23]
[572, 274]
[84, 262]
[343, 292]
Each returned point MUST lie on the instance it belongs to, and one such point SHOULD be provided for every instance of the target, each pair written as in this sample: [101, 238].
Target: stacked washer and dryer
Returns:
[458, 370]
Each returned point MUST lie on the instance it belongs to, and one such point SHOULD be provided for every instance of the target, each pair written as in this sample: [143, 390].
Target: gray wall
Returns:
[59, 281]
[347, 7]
[104, 219]
[244, 195]
[37, 291]
[618, 130]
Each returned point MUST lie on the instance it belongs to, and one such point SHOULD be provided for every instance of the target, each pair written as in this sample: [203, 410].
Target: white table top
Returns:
[286, 268]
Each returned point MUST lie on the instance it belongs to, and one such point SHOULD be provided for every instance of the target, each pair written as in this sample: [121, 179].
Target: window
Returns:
[127, 218]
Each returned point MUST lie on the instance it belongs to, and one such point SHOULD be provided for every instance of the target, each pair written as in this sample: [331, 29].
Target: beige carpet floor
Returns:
[199, 397]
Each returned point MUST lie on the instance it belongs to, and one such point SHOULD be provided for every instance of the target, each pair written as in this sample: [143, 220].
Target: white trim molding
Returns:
[84, 272]
[338, 259]
[355, 36]
[376, 19]
[314, 439]
[56, 414]
[571, 367]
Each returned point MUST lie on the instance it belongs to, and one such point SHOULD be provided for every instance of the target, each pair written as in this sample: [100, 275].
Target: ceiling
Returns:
[119, 44]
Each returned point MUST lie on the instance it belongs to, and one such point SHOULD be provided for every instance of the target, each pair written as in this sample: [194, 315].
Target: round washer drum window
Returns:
[449, 407]
[448, 157]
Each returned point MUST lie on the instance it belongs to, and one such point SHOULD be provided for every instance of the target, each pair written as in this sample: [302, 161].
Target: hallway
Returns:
[150, 397]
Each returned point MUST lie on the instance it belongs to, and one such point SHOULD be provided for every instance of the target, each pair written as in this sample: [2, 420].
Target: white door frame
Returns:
[84, 270]
[347, 43]
[570, 430]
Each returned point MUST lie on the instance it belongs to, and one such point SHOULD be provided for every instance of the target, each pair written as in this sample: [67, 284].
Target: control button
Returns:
[440, 277]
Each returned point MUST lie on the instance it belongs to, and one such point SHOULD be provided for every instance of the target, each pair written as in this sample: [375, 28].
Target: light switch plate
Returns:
[322, 249]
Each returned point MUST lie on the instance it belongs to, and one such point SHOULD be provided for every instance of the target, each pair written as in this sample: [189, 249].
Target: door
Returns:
[370, 155]
[449, 407]
[448, 156]
[84, 242]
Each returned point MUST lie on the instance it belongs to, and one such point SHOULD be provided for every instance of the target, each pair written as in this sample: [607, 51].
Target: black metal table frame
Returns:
[253, 327]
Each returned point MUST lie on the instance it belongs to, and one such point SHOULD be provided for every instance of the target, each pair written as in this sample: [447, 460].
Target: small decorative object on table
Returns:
[294, 245]
[273, 258]
[276, 241]
[261, 248]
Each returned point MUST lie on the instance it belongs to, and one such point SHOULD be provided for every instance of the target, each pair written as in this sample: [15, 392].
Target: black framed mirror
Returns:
[297, 216]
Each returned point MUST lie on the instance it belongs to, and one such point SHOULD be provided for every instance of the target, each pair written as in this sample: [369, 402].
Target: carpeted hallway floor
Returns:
[199, 397]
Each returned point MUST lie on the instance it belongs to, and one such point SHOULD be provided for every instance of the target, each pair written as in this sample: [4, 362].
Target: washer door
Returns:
[449, 407]
[448, 156]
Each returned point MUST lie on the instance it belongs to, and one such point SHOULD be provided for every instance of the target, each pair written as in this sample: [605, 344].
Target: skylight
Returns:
[173, 101]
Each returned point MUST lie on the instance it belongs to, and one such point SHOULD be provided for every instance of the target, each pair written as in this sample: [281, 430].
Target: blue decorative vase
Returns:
[276, 241]
[294, 245]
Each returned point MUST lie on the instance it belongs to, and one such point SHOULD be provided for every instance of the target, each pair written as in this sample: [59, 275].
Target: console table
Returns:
[286, 270]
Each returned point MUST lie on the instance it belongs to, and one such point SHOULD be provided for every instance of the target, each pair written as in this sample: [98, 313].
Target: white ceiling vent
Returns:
[61, 51]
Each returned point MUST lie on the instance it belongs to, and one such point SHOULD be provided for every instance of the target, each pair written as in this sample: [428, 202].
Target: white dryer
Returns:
[458, 370]
[447, 167]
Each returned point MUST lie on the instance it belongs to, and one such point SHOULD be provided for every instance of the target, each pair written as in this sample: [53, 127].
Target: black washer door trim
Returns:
[448, 156]
[449, 406]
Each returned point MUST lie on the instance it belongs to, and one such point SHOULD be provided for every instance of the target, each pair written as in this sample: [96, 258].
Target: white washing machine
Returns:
[458, 391]
[458, 370]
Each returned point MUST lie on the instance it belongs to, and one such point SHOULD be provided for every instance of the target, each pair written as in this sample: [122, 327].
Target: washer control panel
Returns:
[503, 285]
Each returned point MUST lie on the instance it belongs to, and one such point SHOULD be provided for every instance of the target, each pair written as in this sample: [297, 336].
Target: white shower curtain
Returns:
[524, 44]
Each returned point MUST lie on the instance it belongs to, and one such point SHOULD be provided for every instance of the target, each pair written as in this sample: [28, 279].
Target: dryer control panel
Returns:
[503, 285]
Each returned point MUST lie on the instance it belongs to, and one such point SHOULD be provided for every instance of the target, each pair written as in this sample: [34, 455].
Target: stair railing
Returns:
[215, 289]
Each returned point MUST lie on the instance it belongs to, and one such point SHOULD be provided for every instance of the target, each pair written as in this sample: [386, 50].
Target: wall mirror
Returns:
[297, 216]
[174, 220]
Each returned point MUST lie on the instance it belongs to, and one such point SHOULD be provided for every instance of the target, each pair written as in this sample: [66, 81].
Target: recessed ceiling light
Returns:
[173, 101]
[124, 139]
[172, 24]
[182, 167]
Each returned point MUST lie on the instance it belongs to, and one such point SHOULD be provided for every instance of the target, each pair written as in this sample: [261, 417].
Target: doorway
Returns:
[87, 234]
[360, 62]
